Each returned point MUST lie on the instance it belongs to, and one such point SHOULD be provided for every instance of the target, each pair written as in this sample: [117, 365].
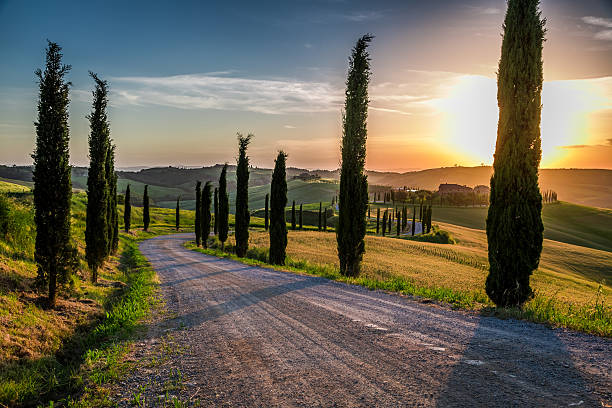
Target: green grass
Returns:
[9, 187]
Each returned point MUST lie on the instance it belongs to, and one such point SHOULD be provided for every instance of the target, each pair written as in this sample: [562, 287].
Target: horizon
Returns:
[184, 79]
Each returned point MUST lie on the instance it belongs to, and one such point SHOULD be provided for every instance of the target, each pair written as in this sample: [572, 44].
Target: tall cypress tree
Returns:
[206, 218]
[127, 210]
[377, 220]
[293, 216]
[413, 220]
[351, 227]
[320, 215]
[384, 224]
[146, 217]
[398, 224]
[198, 213]
[301, 219]
[178, 213]
[51, 173]
[223, 207]
[111, 215]
[216, 209]
[514, 220]
[278, 201]
[98, 194]
[243, 217]
[266, 222]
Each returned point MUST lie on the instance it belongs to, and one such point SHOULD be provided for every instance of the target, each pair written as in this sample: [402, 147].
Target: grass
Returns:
[8, 187]
[572, 284]
[72, 353]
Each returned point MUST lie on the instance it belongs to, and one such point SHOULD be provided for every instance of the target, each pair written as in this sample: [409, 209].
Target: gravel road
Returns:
[251, 336]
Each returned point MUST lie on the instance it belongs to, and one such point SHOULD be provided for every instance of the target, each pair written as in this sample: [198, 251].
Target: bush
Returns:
[436, 236]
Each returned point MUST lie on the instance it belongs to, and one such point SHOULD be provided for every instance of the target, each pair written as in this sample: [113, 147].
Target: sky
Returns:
[185, 76]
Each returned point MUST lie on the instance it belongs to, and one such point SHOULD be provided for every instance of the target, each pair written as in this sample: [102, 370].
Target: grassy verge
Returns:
[593, 316]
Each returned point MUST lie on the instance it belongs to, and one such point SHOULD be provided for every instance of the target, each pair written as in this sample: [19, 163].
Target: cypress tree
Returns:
[389, 221]
[98, 206]
[301, 219]
[198, 213]
[278, 201]
[293, 216]
[368, 212]
[325, 220]
[514, 220]
[384, 224]
[216, 207]
[111, 215]
[351, 228]
[146, 217]
[320, 207]
[223, 207]
[266, 224]
[127, 210]
[51, 173]
[178, 213]
[377, 219]
[398, 225]
[413, 220]
[206, 217]
[242, 196]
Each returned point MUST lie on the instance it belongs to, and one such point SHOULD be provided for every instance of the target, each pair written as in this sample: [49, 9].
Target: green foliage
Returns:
[198, 213]
[353, 202]
[178, 213]
[112, 216]
[514, 221]
[216, 207]
[51, 175]
[278, 201]
[16, 228]
[127, 210]
[242, 196]
[301, 218]
[146, 215]
[206, 218]
[266, 222]
[435, 235]
[223, 206]
[293, 216]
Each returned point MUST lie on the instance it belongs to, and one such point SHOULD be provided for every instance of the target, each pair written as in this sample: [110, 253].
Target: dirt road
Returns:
[256, 337]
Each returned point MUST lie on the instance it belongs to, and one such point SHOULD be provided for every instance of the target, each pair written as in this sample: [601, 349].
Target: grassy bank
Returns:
[72, 353]
[572, 287]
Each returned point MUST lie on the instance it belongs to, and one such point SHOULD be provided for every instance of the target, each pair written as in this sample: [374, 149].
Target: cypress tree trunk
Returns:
[301, 219]
[51, 174]
[413, 220]
[98, 206]
[293, 216]
[146, 217]
[198, 213]
[514, 220]
[320, 215]
[223, 207]
[206, 217]
[178, 213]
[377, 220]
[278, 201]
[216, 207]
[266, 222]
[351, 227]
[127, 210]
[242, 196]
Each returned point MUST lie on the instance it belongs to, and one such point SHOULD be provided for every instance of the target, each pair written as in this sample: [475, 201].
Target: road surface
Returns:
[256, 337]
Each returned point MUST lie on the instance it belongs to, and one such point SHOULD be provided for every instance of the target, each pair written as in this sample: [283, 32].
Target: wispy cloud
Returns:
[360, 16]
[289, 127]
[605, 23]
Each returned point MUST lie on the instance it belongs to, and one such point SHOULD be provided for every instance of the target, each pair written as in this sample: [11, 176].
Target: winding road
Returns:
[258, 337]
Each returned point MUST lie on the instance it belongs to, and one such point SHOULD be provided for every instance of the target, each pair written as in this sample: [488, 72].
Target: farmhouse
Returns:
[453, 189]
[482, 189]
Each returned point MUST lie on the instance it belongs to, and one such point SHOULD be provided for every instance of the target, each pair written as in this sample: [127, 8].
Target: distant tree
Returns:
[377, 219]
[390, 221]
[51, 174]
[398, 225]
[320, 207]
[205, 213]
[351, 226]
[178, 213]
[198, 213]
[216, 207]
[301, 219]
[243, 217]
[384, 224]
[98, 206]
[413, 220]
[266, 224]
[421, 211]
[293, 216]
[223, 207]
[127, 210]
[278, 201]
[514, 221]
[112, 215]
[146, 217]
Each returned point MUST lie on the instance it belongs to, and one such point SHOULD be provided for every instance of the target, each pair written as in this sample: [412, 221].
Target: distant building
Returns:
[482, 189]
[453, 189]
[307, 176]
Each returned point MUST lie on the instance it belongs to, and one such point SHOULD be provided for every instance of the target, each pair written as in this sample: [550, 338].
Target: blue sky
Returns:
[186, 76]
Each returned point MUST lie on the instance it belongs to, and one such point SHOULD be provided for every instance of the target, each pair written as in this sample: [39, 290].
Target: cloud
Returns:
[606, 23]
[575, 146]
[609, 142]
[289, 127]
[308, 45]
[480, 10]
[360, 16]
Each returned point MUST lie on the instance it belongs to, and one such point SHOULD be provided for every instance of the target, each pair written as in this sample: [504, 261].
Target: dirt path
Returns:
[246, 336]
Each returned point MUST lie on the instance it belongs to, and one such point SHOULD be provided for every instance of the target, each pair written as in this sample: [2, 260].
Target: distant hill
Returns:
[580, 186]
